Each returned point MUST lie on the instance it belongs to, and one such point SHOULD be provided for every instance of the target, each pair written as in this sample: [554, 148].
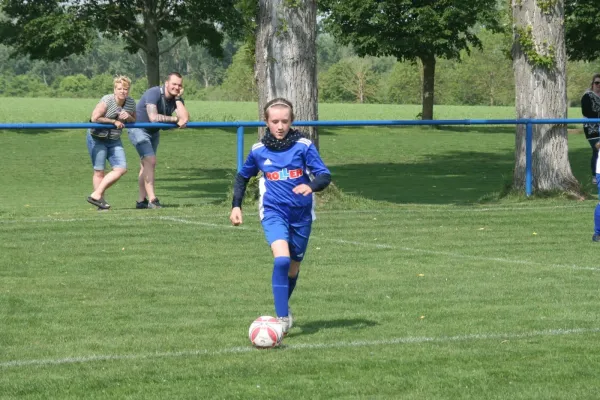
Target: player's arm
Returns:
[318, 169]
[154, 116]
[249, 169]
[320, 182]
[239, 189]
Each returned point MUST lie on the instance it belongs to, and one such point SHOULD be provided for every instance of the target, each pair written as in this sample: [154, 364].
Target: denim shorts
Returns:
[106, 149]
[144, 142]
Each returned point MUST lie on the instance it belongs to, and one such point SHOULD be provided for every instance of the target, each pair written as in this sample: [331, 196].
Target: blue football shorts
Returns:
[277, 227]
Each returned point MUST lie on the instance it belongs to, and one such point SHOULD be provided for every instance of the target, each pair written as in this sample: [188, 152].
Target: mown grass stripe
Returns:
[302, 346]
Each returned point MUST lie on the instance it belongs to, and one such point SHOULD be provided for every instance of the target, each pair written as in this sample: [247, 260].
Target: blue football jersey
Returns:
[282, 172]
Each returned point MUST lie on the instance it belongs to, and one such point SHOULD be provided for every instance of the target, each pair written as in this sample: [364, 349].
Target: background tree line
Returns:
[483, 77]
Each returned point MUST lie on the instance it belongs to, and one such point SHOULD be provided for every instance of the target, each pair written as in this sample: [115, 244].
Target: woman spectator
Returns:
[590, 108]
[105, 143]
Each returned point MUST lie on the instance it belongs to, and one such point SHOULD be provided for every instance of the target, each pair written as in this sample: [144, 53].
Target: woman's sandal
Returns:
[102, 204]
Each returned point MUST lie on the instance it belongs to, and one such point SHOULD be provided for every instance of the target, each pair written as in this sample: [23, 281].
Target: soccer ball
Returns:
[265, 332]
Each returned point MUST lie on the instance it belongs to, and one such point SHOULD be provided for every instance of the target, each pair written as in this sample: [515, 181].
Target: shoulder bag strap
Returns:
[162, 100]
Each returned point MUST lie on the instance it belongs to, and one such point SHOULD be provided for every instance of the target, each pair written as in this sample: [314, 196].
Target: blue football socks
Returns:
[281, 267]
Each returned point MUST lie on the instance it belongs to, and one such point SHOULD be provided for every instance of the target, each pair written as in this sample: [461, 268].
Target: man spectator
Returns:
[156, 105]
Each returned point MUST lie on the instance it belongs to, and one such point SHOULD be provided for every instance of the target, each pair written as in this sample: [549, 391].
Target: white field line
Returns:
[458, 255]
[303, 346]
[407, 249]
[342, 241]
[585, 208]
[426, 208]
[209, 224]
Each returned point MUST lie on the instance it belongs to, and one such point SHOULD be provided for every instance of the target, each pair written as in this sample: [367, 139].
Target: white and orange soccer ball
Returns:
[265, 332]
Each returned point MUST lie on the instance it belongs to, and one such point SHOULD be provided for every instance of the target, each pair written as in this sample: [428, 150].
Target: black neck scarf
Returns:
[272, 143]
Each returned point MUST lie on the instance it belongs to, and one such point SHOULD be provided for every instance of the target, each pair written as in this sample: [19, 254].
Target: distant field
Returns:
[79, 110]
[421, 281]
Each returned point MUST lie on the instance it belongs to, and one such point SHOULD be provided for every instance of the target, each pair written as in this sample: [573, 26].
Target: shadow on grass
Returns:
[316, 326]
[580, 160]
[457, 177]
[493, 129]
[211, 185]
[36, 131]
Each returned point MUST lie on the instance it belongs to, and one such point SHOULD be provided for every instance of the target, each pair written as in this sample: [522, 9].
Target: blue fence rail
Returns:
[240, 125]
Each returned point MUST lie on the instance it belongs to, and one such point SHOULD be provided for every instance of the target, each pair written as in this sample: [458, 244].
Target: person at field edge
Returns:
[156, 105]
[105, 144]
[287, 160]
[590, 108]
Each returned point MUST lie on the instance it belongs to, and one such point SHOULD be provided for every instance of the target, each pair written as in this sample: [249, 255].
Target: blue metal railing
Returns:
[240, 125]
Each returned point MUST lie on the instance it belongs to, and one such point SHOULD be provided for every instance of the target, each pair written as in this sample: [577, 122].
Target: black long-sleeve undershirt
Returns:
[239, 187]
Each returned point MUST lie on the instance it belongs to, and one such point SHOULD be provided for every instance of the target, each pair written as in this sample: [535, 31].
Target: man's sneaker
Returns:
[141, 204]
[594, 181]
[154, 203]
[285, 324]
[596, 238]
[290, 318]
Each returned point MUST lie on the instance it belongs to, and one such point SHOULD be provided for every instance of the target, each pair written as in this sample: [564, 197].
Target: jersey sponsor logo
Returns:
[284, 174]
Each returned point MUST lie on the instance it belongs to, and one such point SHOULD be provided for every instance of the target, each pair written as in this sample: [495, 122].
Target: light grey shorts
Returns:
[145, 143]
[106, 149]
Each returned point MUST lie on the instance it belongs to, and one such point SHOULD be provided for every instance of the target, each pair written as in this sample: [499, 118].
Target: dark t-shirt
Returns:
[153, 96]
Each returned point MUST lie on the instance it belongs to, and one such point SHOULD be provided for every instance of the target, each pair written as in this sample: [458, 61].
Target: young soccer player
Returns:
[286, 159]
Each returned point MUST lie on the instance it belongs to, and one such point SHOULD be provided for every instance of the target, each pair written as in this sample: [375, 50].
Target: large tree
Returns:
[286, 56]
[539, 63]
[410, 30]
[54, 29]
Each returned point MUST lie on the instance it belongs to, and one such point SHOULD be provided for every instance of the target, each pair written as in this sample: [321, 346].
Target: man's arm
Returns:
[183, 116]
[154, 116]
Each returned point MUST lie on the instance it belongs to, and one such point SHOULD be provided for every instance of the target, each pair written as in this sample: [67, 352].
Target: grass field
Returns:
[421, 280]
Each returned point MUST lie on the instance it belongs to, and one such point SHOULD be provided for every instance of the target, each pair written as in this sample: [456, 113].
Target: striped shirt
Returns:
[113, 110]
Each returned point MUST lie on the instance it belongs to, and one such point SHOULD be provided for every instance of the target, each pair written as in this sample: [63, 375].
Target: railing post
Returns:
[240, 148]
[528, 157]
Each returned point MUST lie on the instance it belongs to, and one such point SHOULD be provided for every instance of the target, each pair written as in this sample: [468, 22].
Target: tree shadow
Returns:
[37, 131]
[210, 185]
[458, 177]
[580, 160]
[315, 326]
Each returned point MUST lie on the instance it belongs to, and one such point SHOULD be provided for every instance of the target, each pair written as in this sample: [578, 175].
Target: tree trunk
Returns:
[539, 63]
[361, 78]
[428, 86]
[286, 58]
[152, 52]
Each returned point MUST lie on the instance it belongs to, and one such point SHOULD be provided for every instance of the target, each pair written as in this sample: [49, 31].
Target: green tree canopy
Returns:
[582, 29]
[410, 30]
[55, 29]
